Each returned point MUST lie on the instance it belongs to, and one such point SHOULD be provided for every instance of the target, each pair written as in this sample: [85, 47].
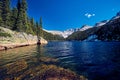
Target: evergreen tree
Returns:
[1, 4]
[13, 17]
[38, 31]
[24, 15]
[29, 29]
[18, 23]
[21, 24]
[6, 12]
[41, 31]
[17, 19]
[33, 25]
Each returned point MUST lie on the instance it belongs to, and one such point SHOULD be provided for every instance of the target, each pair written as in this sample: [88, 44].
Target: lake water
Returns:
[95, 60]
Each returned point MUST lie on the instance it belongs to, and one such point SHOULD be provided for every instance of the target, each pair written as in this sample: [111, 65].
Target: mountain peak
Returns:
[85, 27]
[117, 16]
[68, 32]
[101, 23]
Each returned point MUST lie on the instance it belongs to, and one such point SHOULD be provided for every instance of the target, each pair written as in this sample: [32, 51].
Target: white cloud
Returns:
[88, 15]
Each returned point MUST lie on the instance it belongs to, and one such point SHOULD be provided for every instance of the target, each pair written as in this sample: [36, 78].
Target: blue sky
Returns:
[65, 14]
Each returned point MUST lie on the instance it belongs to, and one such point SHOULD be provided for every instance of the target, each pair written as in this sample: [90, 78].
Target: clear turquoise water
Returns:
[95, 60]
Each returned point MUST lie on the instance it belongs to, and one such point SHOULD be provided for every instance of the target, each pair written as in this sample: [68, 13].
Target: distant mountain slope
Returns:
[68, 32]
[82, 35]
[107, 30]
[111, 30]
[85, 27]
[51, 37]
[101, 23]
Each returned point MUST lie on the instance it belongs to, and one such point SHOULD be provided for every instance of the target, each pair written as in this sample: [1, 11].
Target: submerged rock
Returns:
[16, 67]
[20, 71]
[49, 72]
[47, 59]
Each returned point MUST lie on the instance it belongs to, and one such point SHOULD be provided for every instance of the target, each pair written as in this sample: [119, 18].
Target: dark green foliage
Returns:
[25, 26]
[40, 24]
[13, 18]
[1, 21]
[5, 12]
[1, 3]
[38, 30]
[21, 24]
[29, 29]
[4, 34]
[18, 23]
[32, 25]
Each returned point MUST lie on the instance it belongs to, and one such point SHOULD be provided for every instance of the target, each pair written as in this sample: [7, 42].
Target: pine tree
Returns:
[21, 24]
[41, 32]
[1, 3]
[38, 31]
[13, 17]
[33, 25]
[24, 15]
[29, 29]
[18, 23]
[6, 12]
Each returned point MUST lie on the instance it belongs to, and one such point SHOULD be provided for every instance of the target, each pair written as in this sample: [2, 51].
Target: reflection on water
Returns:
[30, 63]
[16, 54]
[14, 68]
[95, 60]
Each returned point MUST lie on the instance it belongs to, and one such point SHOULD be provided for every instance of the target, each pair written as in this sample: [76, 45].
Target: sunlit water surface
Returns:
[95, 60]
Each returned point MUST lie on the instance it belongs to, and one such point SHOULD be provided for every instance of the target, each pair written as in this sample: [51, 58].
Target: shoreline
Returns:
[17, 45]
[12, 46]
[18, 39]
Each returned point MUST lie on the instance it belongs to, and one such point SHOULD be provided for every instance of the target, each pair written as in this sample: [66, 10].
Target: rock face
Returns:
[17, 39]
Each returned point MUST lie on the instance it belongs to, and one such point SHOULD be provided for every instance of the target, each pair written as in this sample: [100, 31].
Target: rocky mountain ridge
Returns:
[107, 30]
[68, 32]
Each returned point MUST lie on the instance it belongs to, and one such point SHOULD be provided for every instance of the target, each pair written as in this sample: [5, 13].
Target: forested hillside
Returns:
[17, 19]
